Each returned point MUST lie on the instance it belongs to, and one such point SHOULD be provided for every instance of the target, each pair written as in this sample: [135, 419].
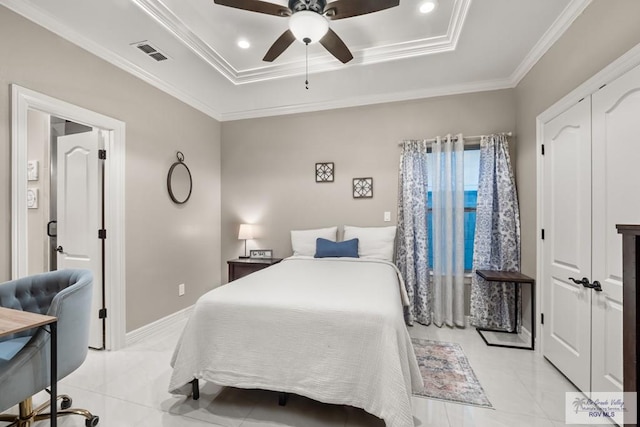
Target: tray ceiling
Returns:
[399, 53]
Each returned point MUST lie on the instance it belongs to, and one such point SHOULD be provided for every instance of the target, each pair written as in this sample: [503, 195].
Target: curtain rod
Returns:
[469, 138]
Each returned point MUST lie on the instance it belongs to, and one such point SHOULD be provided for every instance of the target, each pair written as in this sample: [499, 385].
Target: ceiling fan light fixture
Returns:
[428, 6]
[308, 25]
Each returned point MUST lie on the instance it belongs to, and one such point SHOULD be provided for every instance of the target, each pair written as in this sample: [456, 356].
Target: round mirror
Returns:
[179, 181]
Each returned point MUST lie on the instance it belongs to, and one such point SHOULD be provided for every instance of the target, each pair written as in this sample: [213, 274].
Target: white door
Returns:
[616, 200]
[567, 244]
[80, 215]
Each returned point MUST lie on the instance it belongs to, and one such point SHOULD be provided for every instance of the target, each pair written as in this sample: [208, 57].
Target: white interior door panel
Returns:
[567, 246]
[79, 215]
[616, 150]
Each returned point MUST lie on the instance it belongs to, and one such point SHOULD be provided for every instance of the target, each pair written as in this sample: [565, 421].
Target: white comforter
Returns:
[331, 329]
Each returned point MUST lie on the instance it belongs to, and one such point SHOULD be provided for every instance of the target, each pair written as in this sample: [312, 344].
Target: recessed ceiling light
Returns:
[428, 6]
[244, 44]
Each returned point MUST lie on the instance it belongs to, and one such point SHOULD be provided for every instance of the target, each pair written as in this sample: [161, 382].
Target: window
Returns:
[471, 173]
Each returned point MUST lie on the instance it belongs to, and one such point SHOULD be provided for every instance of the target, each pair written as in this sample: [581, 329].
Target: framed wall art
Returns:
[362, 188]
[324, 172]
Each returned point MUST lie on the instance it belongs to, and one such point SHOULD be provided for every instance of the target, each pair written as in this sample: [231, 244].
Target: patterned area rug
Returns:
[447, 374]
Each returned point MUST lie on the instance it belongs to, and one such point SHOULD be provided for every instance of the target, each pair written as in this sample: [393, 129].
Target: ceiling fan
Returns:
[309, 21]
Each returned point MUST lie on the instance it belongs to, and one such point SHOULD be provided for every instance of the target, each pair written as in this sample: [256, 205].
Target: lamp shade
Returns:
[308, 25]
[246, 232]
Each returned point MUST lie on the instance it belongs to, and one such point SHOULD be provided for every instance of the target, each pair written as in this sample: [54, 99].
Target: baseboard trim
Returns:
[158, 326]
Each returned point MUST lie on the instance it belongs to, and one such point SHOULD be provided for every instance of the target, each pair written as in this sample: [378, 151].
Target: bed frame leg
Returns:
[195, 389]
[282, 398]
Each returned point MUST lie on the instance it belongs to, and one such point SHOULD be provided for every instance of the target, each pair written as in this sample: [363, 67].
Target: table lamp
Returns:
[245, 233]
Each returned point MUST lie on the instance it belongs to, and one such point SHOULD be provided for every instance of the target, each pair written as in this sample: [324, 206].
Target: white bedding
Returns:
[331, 329]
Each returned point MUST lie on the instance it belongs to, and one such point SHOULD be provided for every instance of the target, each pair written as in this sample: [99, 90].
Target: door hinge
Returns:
[542, 234]
[542, 318]
[102, 234]
[543, 149]
[102, 313]
[102, 154]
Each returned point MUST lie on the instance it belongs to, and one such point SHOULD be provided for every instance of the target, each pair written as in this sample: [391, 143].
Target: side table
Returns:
[517, 279]
[242, 267]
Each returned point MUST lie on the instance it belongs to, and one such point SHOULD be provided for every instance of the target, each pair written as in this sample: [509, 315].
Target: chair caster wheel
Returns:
[92, 422]
[66, 403]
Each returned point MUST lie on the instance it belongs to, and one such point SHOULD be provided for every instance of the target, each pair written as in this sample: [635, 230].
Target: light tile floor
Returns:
[129, 388]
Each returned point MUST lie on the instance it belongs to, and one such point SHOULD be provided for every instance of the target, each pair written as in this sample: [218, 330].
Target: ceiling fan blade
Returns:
[336, 46]
[280, 45]
[256, 6]
[341, 9]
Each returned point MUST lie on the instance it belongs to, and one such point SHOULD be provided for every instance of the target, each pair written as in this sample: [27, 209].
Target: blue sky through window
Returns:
[471, 173]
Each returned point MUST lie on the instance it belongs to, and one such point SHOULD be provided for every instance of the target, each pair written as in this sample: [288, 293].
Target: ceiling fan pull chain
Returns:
[306, 82]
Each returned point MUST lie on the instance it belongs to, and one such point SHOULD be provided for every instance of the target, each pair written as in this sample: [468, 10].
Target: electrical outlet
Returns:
[181, 289]
[387, 216]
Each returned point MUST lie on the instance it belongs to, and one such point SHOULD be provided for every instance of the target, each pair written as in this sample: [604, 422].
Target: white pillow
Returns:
[374, 242]
[303, 242]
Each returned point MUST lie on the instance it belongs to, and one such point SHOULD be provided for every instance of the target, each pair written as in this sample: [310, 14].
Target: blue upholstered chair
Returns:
[25, 357]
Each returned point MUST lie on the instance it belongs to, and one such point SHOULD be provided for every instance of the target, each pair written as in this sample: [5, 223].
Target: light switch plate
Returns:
[387, 216]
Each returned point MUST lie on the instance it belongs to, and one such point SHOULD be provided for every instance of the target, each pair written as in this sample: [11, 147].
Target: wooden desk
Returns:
[14, 321]
[517, 279]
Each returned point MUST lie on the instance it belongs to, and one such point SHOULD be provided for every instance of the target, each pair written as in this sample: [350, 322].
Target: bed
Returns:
[331, 329]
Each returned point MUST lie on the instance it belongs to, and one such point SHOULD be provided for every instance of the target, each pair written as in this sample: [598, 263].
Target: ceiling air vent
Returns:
[150, 50]
[158, 56]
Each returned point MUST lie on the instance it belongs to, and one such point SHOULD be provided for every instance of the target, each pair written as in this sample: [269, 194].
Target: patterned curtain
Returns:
[447, 170]
[497, 237]
[411, 250]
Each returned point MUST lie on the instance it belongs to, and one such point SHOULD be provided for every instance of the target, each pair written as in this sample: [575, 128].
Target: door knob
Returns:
[59, 249]
[596, 286]
[585, 282]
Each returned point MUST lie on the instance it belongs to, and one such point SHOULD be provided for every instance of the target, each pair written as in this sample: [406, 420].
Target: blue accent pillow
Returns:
[326, 248]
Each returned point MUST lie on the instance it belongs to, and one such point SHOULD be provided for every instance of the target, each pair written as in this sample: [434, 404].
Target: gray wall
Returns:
[268, 163]
[166, 244]
[268, 169]
[605, 31]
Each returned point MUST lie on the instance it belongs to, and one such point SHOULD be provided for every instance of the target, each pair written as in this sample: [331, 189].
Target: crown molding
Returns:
[324, 62]
[370, 100]
[167, 19]
[44, 20]
[555, 31]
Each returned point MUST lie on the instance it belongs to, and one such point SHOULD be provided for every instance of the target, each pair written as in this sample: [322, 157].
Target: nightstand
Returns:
[242, 267]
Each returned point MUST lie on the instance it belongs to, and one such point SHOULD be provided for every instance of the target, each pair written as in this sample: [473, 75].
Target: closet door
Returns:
[616, 200]
[567, 244]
